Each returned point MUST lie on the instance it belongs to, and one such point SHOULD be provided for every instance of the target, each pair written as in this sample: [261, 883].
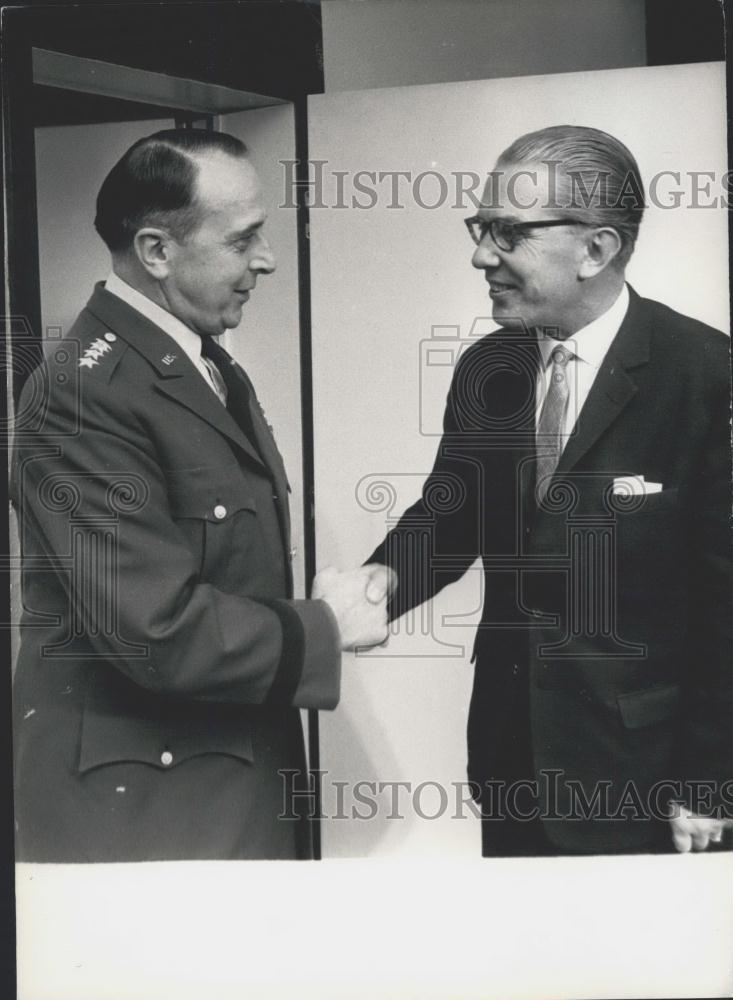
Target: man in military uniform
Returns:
[163, 658]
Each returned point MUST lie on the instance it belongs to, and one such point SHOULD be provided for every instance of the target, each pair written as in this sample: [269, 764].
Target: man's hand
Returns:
[382, 582]
[358, 599]
[694, 833]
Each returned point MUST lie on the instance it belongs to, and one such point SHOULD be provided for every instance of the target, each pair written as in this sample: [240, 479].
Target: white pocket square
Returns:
[635, 486]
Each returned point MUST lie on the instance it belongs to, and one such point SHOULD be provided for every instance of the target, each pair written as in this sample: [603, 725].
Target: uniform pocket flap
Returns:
[209, 493]
[645, 708]
[108, 738]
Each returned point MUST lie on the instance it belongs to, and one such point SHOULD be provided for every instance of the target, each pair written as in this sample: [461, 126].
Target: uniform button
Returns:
[293, 554]
[166, 758]
[220, 511]
[110, 337]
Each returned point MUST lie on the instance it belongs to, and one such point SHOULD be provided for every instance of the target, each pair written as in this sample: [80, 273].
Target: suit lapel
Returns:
[614, 386]
[525, 461]
[179, 379]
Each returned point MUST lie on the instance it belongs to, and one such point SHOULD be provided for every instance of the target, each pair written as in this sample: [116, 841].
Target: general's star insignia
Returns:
[93, 353]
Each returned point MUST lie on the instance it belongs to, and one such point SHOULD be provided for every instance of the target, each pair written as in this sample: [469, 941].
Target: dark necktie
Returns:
[235, 389]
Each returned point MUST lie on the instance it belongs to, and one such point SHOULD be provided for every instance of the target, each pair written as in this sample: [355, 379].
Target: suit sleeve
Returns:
[94, 502]
[707, 736]
[438, 538]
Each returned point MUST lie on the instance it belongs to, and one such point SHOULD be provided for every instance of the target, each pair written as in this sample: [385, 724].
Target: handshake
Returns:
[358, 599]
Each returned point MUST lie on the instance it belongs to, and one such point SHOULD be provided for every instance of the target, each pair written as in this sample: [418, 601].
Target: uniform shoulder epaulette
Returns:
[100, 354]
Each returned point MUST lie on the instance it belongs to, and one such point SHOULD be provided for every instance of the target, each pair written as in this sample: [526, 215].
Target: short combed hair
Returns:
[602, 179]
[154, 184]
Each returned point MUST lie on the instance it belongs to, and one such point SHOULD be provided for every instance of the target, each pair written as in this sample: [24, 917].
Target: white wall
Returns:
[382, 279]
[390, 43]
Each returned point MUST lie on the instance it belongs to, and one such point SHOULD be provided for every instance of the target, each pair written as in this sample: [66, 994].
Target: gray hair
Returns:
[601, 177]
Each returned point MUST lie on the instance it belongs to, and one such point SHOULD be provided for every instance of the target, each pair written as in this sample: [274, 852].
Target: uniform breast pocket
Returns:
[216, 508]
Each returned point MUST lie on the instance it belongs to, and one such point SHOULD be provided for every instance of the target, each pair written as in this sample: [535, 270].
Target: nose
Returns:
[485, 255]
[263, 259]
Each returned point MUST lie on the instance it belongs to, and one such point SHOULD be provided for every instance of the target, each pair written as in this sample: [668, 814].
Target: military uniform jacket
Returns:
[163, 658]
[608, 616]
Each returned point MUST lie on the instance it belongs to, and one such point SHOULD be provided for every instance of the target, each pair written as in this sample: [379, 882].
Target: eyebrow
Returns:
[511, 219]
[242, 234]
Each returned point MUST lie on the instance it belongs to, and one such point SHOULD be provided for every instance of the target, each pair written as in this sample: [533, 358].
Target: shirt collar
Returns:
[186, 339]
[590, 344]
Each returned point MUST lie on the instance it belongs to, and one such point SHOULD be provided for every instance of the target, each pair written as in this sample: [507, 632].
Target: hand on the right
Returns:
[358, 599]
[695, 833]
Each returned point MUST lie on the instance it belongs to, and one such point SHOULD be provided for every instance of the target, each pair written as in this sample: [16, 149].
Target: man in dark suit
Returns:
[586, 459]
[163, 658]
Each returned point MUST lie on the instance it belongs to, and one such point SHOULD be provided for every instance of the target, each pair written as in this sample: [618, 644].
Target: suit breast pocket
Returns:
[650, 540]
[643, 524]
[663, 501]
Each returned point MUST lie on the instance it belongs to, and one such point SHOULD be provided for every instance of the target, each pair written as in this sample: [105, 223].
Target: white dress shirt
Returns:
[187, 340]
[589, 345]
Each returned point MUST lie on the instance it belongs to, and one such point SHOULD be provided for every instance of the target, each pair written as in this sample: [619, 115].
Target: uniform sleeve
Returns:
[93, 500]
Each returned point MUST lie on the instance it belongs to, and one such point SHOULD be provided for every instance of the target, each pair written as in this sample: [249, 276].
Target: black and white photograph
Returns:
[368, 565]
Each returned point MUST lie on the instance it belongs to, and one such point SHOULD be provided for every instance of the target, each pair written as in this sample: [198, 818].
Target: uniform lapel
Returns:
[614, 386]
[179, 379]
[191, 391]
[240, 386]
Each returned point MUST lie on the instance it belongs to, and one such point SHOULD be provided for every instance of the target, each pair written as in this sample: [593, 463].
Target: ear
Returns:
[602, 246]
[154, 248]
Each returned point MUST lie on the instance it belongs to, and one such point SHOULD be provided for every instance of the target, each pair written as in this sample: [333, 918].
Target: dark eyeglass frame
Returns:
[478, 228]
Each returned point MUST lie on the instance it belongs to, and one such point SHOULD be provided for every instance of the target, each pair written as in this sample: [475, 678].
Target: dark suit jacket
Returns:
[611, 616]
[163, 659]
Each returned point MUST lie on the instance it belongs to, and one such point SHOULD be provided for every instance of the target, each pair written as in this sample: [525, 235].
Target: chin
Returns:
[230, 322]
[508, 319]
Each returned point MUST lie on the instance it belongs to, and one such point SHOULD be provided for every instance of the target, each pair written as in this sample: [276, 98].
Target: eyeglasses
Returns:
[506, 235]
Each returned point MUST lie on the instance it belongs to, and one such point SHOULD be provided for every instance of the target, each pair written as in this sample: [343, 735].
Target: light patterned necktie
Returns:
[218, 382]
[552, 419]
